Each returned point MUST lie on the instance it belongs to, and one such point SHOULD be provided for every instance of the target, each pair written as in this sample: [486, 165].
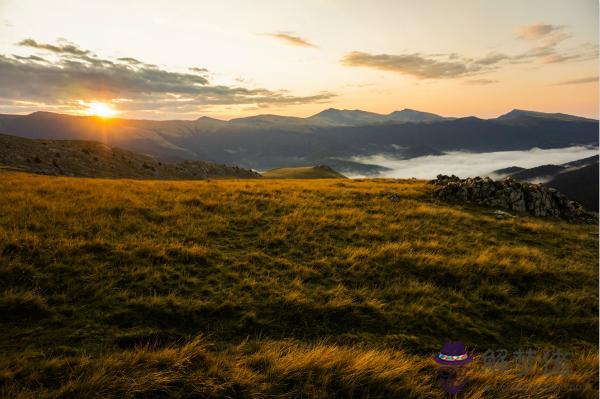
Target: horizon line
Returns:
[292, 116]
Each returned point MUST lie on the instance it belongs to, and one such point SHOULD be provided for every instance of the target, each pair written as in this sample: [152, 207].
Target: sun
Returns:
[100, 109]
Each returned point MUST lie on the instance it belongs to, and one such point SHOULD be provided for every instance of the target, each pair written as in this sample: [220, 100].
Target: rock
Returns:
[502, 215]
[394, 198]
[511, 195]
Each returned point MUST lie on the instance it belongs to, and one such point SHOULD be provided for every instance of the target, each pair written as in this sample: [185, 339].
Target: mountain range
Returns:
[339, 117]
[330, 137]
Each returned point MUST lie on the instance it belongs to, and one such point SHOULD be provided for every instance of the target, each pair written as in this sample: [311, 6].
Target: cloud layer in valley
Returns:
[464, 164]
[67, 75]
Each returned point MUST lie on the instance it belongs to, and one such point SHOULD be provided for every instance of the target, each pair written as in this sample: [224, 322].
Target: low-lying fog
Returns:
[466, 164]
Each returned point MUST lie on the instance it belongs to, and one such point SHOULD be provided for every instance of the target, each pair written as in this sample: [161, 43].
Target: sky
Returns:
[182, 59]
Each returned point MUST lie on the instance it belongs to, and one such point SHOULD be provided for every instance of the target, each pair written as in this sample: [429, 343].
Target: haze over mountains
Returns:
[331, 137]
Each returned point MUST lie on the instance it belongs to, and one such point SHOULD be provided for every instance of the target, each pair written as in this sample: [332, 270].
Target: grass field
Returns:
[281, 288]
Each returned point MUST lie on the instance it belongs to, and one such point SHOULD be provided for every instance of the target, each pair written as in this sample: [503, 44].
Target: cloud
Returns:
[417, 65]
[549, 35]
[465, 164]
[556, 58]
[29, 58]
[73, 75]
[492, 59]
[535, 32]
[590, 79]
[198, 70]
[545, 39]
[130, 60]
[291, 39]
[480, 81]
[66, 48]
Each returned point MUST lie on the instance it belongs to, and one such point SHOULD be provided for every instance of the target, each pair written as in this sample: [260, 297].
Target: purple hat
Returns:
[453, 354]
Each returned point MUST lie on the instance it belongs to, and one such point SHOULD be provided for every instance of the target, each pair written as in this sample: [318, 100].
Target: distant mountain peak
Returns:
[344, 111]
[407, 110]
[46, 114]
[267, 120]
[208, 118]
[519, 112]
[412, 115]
[523, 113]
[346, 117]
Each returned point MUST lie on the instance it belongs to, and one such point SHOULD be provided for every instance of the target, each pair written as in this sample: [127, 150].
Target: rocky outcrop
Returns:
[508, 194]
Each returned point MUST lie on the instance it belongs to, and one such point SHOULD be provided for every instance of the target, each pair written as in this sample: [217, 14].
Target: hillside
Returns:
[542, 172]
[303, 172]
[507, 171]
[580, 184]
[268, 288]
[92, 159]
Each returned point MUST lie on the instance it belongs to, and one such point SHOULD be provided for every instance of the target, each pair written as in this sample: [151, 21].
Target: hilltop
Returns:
[93, 159]
[304, 172]
[282, 288]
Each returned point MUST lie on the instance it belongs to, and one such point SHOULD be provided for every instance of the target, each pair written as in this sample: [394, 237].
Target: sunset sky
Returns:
[184, 59]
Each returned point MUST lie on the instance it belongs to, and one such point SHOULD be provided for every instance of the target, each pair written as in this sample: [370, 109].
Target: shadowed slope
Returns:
[92, 159]
[579, 184]
[304, 172]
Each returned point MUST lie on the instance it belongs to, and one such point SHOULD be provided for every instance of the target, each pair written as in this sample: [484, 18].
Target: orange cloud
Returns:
[291, 39]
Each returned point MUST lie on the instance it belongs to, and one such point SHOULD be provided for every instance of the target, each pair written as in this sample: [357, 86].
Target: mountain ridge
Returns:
[512, 113]
[268, 141]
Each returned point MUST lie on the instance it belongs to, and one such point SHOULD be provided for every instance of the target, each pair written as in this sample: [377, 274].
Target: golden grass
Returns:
[277, 369]
[301, 288]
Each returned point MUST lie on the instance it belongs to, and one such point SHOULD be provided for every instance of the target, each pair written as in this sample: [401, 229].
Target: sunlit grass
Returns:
[299, 288]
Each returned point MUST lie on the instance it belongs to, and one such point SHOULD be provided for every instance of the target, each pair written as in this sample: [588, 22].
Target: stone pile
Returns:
[508, 194]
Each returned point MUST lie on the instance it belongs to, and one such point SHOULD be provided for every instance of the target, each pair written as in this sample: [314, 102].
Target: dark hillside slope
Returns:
[304, 172]
[92, 159]
[538, 172]
[580, 185]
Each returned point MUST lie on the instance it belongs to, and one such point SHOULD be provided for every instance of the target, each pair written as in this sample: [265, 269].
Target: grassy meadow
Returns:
[281, 289]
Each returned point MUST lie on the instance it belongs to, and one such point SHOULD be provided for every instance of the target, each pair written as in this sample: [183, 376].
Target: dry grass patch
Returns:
[300, 288]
